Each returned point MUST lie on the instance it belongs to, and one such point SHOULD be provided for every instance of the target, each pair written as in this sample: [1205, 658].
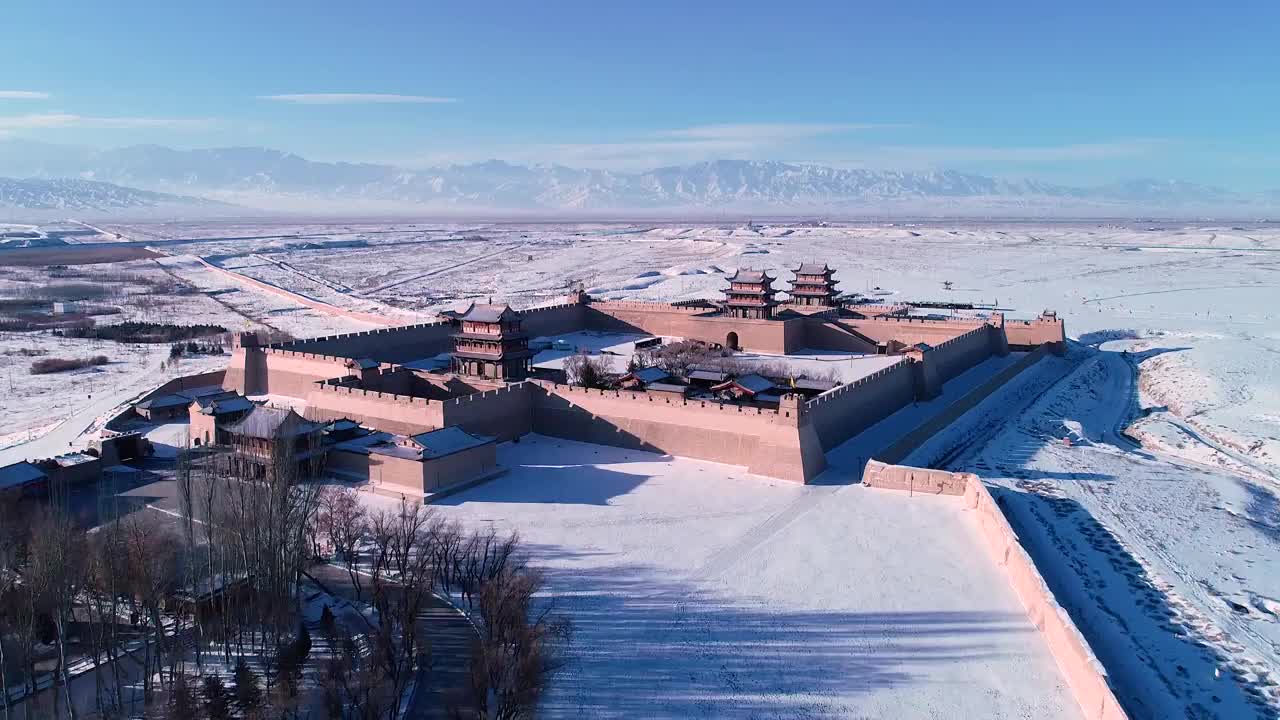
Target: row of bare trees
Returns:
[169, 600]
[406, 558]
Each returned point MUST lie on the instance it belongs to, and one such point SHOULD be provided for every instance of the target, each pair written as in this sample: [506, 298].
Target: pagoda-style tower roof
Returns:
[484, 313]
[813, 269]
[752, 277]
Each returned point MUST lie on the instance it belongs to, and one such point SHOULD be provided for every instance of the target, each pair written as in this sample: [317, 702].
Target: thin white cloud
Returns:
[1022, 155]
[23, 95]
[42, 121]
[771, 132]
[353, 98]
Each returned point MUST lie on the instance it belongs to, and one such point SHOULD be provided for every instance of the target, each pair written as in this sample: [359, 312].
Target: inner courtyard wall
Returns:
[777, 443]
[391, 413]
[766, 336]
[954, 356]
[839, 414]
[911, 330]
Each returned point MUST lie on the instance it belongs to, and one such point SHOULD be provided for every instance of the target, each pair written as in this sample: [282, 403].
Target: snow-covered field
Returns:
[697, 590]
[1194, 510]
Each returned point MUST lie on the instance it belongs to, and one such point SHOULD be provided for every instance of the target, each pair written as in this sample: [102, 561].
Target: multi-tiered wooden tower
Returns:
[813, 285]
[490, 343]
[750, 295]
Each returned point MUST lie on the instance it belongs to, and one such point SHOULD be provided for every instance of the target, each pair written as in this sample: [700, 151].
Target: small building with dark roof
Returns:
[209, 413]
[264, 432]
[745, 387]
[416, 466]
[163, 408]
[643, 377]
[22, 478]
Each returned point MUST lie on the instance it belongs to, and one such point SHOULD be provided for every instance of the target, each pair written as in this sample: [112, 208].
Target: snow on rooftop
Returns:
[696, 586]
[448, 440]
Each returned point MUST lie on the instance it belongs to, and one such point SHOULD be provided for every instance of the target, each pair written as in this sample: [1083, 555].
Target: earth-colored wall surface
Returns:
[839, 414]
[384, 411]
[779, 444]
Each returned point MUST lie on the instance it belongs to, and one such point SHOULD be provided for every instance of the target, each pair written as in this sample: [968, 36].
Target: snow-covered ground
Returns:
[1195, 305]
[697, 590]
[1167, 563]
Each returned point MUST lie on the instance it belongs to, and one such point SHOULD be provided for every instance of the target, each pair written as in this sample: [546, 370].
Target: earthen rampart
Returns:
[323, 307]
[955, 355]
[777, 443]
[904, 445]
[1083, 672]
[839, 414]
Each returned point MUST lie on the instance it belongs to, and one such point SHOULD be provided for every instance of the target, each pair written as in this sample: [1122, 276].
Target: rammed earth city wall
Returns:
[1084, 674]
[839, 414]
[777, 443]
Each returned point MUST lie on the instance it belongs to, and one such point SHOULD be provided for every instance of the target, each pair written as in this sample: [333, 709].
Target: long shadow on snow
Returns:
[644, 646]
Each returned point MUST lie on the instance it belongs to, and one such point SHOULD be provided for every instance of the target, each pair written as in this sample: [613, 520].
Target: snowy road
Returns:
[1168, 566]
[65, 436]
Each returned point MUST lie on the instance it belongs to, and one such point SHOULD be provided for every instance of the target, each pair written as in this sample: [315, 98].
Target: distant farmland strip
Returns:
[74, 255]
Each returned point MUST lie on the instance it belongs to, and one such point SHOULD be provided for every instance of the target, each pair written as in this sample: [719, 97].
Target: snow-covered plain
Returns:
[1194, 510]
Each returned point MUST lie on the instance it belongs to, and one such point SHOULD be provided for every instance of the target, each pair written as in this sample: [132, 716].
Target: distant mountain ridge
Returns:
[80, 195]
[270, 178]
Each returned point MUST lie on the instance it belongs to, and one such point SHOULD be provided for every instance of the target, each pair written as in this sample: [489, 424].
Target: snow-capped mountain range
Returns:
[269, 179]
[76, 194]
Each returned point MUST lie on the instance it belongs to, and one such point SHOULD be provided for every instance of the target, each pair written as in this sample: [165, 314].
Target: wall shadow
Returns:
[565, 484]
[647, 644]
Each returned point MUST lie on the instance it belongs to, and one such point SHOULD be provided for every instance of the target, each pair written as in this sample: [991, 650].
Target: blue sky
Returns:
[1079, 92]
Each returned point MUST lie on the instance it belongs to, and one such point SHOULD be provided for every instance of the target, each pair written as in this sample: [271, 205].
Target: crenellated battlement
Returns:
[959, 338]
[641, 397]
[645, 306]
[486, 395]
[350, 390]
[836, 393]
[398, 329]
[910, 319]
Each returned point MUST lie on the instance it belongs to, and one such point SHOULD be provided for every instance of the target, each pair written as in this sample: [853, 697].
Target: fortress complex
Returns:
[476, 370]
